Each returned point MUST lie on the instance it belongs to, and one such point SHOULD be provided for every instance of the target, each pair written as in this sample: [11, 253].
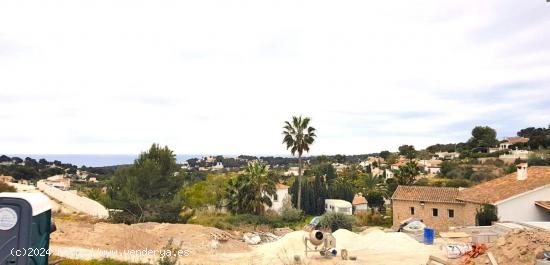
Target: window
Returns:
[412, 210]
[275, 197]
[451, 213]
[435, 212]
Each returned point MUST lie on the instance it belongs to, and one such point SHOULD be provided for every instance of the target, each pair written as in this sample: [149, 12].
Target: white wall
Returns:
[278, 205]
[523, 208]
[82, 204]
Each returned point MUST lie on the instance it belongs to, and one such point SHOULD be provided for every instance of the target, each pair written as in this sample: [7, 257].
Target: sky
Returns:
[221, 77]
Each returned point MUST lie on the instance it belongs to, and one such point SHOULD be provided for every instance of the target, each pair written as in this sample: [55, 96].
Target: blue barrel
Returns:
[428, 236]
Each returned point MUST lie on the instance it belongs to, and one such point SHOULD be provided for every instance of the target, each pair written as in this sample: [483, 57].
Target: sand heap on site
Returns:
[518, 247]
[375, 241]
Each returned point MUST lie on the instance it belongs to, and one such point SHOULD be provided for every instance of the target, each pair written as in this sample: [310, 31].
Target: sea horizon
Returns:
[104, 160]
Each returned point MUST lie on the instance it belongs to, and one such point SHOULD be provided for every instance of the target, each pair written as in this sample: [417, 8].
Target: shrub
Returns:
[336, 221]
[212, 219]
[365, 218]
[290, 214]
[486, 215]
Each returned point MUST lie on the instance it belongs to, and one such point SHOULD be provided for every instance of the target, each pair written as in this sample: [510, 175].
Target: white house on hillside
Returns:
[277, 201]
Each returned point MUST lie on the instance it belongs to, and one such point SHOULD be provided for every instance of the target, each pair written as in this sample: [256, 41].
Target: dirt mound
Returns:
[519, 247]
[107, 236]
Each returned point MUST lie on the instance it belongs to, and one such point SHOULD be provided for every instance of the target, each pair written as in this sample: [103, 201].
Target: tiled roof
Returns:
[515, 140]
[505, 187]
[543, 204]
[281, 186]
[359, 200]
[425, 193]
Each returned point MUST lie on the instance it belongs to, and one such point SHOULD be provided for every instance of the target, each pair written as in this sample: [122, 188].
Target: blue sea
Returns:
[95, 160]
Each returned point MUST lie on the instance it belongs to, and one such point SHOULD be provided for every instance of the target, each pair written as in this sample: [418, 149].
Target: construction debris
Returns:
[255, 238]
[519, 247]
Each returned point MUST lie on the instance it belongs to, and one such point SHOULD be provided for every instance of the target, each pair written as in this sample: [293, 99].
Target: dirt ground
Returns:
[87, 239]
[520, 247]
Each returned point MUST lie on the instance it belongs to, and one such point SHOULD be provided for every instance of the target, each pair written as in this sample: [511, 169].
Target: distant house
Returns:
[432, 166]
[6, 179]
[511, 141]
[516, 154]
[292, 171]
[359, 203]
[59, 181]
[522, 196]
[277, 201]
[446, 155]
[339, 167]
[218, 166]
[338, 206]
[389, 173]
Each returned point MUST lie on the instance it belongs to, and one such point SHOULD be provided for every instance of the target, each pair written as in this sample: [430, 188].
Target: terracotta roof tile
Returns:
[515, 140]
[505, 187]
[425, 193]
[543, 204]
[281, 186]
[359, 200]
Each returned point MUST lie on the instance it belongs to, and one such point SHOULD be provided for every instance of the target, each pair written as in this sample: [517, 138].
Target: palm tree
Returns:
[298, 135]
[251, 191]
[377, 184]
[375, 190]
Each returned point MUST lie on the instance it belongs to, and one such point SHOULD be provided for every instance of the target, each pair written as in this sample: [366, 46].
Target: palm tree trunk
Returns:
[299, 203]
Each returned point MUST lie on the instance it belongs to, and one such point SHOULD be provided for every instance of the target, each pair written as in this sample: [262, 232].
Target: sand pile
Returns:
[289, 245]
[376, 240]
[519, 247]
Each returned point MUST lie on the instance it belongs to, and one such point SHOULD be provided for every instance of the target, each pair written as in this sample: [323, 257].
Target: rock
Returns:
[252, 239]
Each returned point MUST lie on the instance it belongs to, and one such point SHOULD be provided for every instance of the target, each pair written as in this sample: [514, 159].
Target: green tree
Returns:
[392, 158]
[251, 191]
[210, 192]
[486, 215]
[374, 184]
[406, 174]
[324, 170]
[408, 151]
[298, 136]
[483, 136]
[385, 154]
[146, 191]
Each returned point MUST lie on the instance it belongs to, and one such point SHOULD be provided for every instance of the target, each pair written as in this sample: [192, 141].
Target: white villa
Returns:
[277, 201]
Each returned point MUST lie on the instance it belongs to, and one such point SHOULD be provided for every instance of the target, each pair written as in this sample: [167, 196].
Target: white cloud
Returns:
[221, 77]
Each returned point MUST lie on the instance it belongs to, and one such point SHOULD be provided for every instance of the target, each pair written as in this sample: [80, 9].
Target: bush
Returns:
[290, 214]
[336, 221]
[364, 218]
[212, 219]
[486, 215]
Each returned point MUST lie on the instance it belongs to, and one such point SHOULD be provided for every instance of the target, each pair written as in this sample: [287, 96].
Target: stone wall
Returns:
[464, 214]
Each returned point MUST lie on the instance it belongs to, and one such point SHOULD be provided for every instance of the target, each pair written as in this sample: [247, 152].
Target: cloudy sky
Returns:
[220, 77]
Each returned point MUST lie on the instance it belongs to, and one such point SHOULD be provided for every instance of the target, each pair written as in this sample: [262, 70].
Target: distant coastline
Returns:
[95, 160]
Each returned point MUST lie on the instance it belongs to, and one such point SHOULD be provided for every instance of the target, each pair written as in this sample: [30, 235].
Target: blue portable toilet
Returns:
[25, 227]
